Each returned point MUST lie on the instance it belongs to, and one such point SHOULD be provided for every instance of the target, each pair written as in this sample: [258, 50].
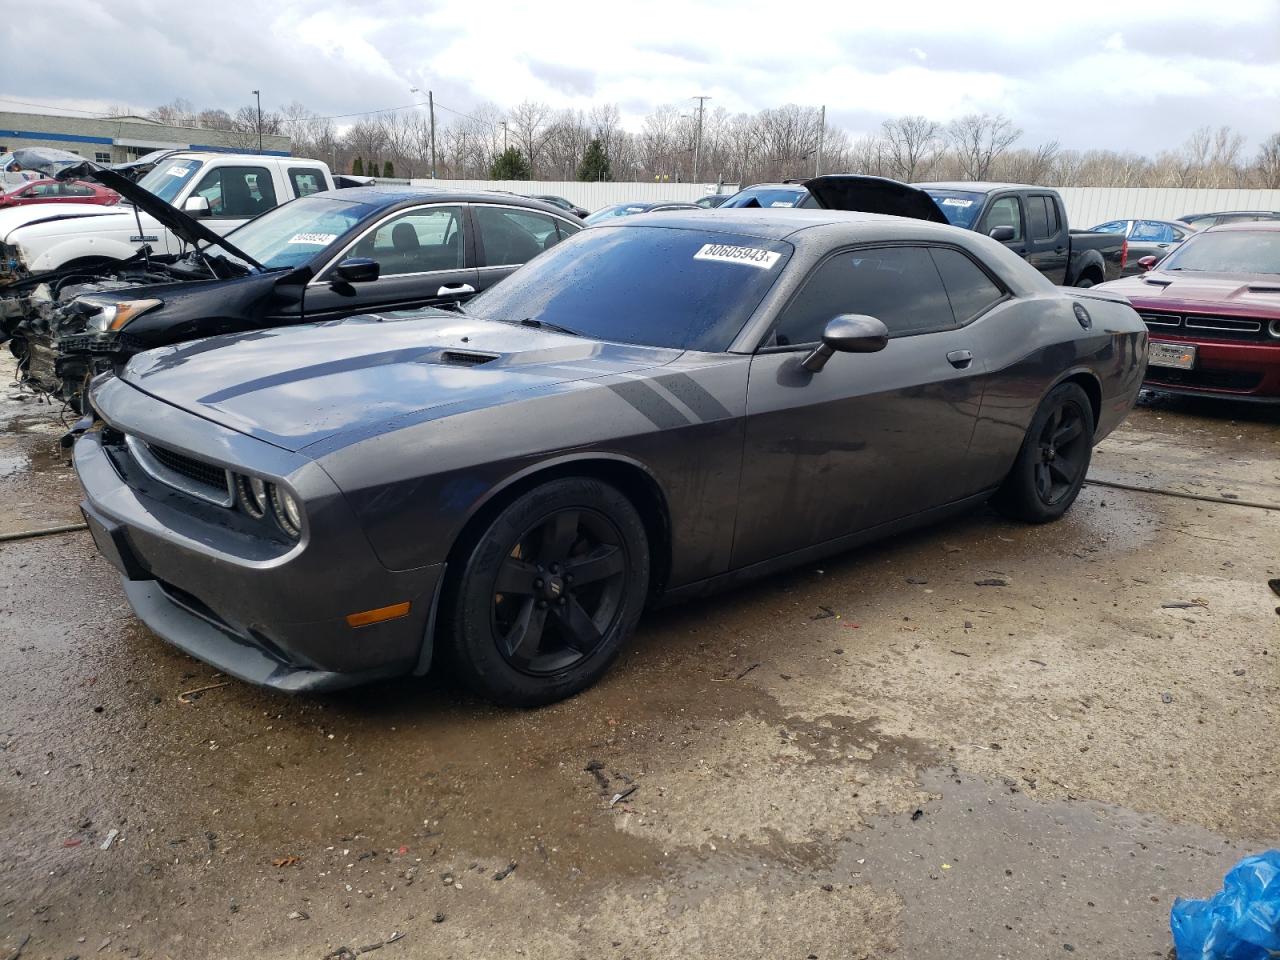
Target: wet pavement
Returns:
[872, 757]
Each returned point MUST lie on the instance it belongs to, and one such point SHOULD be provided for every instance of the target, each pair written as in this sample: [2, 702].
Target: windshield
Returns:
[1232, 251]
[168, 178]
[659, 286]
[960, 207]
[617, 210]
[294, 232]
[777, 197]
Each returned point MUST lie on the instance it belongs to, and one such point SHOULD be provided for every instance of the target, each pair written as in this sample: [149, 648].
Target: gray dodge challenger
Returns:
[645, 412]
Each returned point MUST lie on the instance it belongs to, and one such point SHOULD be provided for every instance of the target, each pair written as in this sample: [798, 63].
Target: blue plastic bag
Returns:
[1240, 922]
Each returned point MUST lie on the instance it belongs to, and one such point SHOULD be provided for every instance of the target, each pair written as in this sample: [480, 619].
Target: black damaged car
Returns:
[322, 257]
[658, 407]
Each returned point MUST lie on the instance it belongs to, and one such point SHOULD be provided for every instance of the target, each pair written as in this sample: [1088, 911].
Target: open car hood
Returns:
[61, 165]
[850, 191]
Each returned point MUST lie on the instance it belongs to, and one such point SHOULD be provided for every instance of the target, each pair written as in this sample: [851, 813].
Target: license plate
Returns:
[1180, 355]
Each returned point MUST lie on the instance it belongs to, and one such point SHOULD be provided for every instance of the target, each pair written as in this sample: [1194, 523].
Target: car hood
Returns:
[297, 386]
[55, 163]
[862, 194]
[1258, 295]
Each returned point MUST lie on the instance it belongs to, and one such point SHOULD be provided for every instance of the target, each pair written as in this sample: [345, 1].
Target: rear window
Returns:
[659, 286]
[1232, 251]
[767, 198]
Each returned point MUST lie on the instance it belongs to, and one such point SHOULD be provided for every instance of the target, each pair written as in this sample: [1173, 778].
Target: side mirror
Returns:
[1148, 263]
[358, 270]
[196, 206]
[848, 333]
[1003, 234]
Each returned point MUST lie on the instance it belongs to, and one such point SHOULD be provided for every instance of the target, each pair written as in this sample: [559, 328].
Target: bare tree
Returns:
[911, 146]
[978, 140]
[530, 125]
[1267, 166]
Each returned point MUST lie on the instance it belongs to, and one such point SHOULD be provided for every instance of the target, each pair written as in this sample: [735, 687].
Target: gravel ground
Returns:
[875, 757]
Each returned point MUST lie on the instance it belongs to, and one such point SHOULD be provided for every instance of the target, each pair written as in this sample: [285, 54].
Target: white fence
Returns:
[1086, 206]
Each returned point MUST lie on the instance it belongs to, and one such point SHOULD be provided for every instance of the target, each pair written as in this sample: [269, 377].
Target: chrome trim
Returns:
[1161, 319]
[171, 478]
[1231, 324]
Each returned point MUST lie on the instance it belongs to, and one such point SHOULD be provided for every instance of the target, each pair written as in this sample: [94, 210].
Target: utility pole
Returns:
[431, 109]
[504, 136]
[258, 94]
[697, 144]
[822, 132]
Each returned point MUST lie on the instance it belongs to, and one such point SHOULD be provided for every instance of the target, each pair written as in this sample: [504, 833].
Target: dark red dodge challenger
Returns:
[1213, 309]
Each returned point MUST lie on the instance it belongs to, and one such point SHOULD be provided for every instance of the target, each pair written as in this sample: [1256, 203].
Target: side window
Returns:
[1005, 212]
[567, 230]
[237, 192]
[306, 181]
[1114, 226]
[969, 289]
[1041, 217]
[898, 285]
[76, 190]
[46, 190]
[1152, 232]
[417, 241]
[512, 236]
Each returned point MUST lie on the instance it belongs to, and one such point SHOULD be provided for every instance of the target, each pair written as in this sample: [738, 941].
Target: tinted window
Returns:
[1038, 218]
[1005, 212]
[898, 285]
[969, 289]
[663, 286]
[418, 241]
[513, 236]
[236, 193]
[306, 181]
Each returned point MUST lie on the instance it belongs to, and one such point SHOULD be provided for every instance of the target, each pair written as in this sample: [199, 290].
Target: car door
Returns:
[871, 437]
[508, 237]
[1048, 246]
[235, 194]
[1006, 211]
[422, 253]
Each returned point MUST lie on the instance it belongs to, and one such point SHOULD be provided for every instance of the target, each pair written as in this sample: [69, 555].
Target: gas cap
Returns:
[1082, 315]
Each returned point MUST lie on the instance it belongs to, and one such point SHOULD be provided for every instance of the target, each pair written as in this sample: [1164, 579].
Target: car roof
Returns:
[1269, 226]
[1228, 213]
[979, 186]
[779, 224]
[390, 194]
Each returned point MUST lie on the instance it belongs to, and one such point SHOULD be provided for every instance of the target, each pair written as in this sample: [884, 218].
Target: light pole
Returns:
[258, 94]
[697, 144]
[431, 112]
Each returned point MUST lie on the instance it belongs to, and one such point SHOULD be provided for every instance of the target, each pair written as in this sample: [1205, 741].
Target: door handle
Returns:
[455, 290]
[960, 359]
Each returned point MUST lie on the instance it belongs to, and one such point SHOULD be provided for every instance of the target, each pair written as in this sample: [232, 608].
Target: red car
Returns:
[1213, 309]
[51, 191]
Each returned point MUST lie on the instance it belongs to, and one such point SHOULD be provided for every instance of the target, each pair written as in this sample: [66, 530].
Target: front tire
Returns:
[1051, 465]
[548, 593]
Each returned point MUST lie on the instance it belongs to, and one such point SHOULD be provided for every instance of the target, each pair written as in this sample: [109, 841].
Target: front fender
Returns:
[64, 251]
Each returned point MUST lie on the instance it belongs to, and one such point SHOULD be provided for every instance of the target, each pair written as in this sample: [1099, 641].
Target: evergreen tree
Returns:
[388, 170]
[357, 167]
[509, 165]
[595, 163]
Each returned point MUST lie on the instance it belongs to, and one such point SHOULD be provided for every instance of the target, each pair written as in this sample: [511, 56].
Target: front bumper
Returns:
[267, 613]
[1235, 370]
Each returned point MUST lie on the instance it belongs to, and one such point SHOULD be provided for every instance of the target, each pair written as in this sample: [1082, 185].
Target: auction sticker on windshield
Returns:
[724, 253]
[177, 171]
[314, 239]
[956, 202]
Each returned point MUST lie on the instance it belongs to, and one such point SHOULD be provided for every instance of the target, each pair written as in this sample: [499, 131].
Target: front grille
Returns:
[198, 478]
[1223, 323]
[1204, 379]
[1161, 319]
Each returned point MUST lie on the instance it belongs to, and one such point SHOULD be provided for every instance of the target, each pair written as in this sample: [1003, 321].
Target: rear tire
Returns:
[548, 593]
[1054, 458]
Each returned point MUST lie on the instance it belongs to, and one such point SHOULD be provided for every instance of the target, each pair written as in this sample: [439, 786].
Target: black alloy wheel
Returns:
[559, 591]
[1054, 458]
[547, 592]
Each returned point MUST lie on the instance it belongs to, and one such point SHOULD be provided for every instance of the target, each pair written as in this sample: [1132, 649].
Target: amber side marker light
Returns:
[366, 617]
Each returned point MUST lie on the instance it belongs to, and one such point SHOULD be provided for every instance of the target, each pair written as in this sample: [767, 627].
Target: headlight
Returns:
[254, 497]
[285, 507]
[114, 316]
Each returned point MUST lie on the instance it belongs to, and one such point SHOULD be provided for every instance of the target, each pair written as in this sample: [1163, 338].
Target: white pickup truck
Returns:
[222, 190]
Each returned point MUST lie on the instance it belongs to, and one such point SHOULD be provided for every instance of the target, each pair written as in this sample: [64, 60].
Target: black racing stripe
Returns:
[694, 396]
[645, 399]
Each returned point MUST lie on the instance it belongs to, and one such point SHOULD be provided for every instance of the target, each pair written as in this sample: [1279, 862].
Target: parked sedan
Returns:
[566, 205]
[1147, 238]
[56, 191]
[711, 201]
[1202, 220]
[326, 256]
[651, 410]
[1213, 308]
[631, 209]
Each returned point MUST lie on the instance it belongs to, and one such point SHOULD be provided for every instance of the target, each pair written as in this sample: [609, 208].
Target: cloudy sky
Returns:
[1135, 76]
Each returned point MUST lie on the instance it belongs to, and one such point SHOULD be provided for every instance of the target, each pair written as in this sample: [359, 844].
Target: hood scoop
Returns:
[465, 358]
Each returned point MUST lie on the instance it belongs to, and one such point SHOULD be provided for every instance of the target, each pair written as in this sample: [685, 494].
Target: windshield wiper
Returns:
[548, 325]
